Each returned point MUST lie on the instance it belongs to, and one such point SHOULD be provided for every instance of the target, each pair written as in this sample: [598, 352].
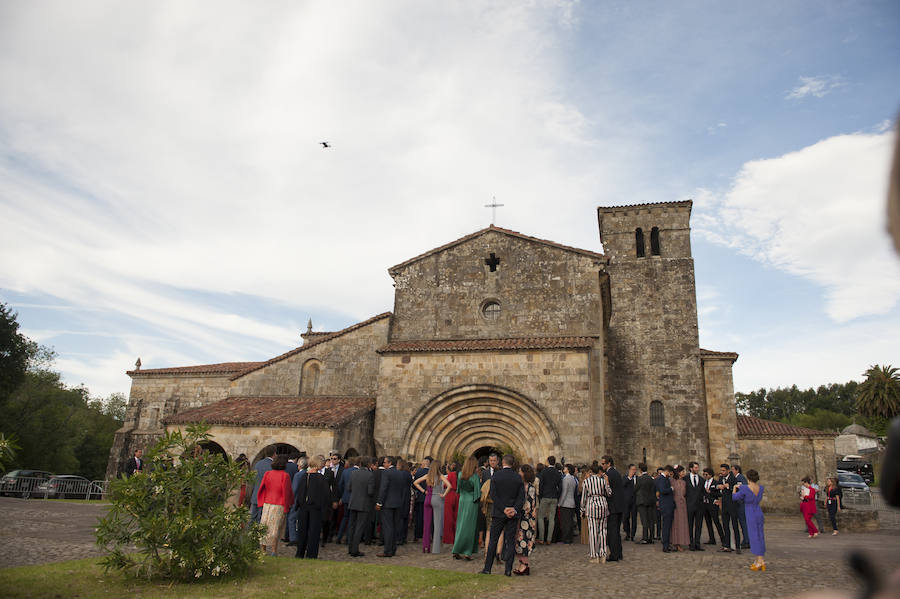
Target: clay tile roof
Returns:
[756, 428]
[223, 368]
[499, 230]
[451, 345]
[326, 412]
[311, 343]
[728, 355]
[687, 203]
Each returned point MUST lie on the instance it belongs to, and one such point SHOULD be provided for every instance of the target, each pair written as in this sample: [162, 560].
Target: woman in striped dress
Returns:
[595, 510]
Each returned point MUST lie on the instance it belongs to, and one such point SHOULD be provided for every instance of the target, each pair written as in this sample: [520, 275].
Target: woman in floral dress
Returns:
[528, 522]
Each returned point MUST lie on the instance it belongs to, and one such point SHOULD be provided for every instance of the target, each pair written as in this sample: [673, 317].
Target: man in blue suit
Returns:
[291, 469]
[742, 516]
[419, 506]
[344, 493]
[261, 467]
[666, 504]
[293, 533]
[508, 495]
[390, 501]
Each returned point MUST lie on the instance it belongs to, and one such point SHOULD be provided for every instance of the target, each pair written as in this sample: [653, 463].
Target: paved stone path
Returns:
[40, 531]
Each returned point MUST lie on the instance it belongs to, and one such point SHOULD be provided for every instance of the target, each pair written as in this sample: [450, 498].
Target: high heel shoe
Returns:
[525, 572]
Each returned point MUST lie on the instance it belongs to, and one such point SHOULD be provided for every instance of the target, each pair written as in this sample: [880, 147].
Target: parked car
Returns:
[857, 465]
[68, 486]
[854, 488]
[22, 483]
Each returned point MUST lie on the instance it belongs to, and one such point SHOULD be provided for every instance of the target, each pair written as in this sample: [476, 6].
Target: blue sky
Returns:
[165, 196]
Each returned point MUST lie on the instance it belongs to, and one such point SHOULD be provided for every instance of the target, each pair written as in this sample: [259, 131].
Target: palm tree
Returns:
[879, 394]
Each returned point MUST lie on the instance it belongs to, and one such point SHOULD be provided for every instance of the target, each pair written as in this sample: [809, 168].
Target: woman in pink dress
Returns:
[681, 535]
[808, 506]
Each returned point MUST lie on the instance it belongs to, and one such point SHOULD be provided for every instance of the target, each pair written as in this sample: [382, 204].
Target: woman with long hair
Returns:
[451, 504]
[276, 498]
[595, 509]
[808, 505]
[751, 495]
[681, 535]
[436, 485]
[465, 542]
[833, 498]
[527, 523]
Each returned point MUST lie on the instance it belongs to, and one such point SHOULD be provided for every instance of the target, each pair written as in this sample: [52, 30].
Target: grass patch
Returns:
[310, 579]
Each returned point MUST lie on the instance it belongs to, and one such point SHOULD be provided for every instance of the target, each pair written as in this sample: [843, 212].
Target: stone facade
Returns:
[652, 348]
[497, 339]
[782, 462]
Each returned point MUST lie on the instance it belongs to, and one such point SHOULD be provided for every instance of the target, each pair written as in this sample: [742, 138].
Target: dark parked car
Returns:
[68, 486]
[854, 488]
[22, 483]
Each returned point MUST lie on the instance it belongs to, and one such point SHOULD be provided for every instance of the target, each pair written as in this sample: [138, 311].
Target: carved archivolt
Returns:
[474, 416]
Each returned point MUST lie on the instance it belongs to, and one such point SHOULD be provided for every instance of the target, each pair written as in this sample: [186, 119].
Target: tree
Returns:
[15, 352]
[8, 449]
[172, 520]
[879, 394]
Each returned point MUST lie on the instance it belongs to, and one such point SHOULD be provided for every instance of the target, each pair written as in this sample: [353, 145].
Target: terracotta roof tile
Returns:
[755, 428]
[450, 345]
[647, 205]
[223, 368]
[326, 412]
[311, 343]
[499, 230]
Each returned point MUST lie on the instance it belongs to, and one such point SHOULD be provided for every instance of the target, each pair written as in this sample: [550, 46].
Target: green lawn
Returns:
[274, 577]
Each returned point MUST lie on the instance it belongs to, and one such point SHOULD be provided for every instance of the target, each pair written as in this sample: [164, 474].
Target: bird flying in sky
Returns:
[325, 144]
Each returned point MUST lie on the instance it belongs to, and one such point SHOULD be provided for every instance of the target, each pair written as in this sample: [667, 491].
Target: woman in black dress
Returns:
[313, 501]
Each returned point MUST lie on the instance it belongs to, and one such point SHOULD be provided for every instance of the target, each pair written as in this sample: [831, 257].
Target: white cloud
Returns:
[818, 213]
[815, 86]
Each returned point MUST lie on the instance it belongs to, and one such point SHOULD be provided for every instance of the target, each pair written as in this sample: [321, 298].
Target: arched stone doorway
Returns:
[469, 418]
[214, 448]
[280, 448]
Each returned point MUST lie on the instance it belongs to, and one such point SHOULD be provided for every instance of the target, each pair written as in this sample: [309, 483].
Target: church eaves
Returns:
[525, 343]
[319, 411]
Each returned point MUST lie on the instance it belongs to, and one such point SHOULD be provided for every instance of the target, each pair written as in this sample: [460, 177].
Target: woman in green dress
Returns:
[469, 486]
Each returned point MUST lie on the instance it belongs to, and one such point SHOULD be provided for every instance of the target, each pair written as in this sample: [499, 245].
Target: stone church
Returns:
[495, 340]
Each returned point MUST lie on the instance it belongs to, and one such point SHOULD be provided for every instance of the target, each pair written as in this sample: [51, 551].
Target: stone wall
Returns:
[542, 290]
[652, 347]
[782, 462]
[718, 387]
[540, 402]
[153, 397]
[349, 366]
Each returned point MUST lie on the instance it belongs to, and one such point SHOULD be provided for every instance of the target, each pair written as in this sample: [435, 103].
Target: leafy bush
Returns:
[174, 514]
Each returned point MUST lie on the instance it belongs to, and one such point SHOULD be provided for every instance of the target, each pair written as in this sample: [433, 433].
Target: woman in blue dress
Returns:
[751, 495]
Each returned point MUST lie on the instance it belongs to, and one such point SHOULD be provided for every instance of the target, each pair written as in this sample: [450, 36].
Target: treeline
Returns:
[46, 425]
[827, 407]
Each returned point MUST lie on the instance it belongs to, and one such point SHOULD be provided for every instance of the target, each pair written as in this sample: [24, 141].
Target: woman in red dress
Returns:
[808, 506]
[451, 505]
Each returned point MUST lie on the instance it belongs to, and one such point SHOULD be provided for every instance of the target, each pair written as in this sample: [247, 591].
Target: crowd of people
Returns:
[506, 508]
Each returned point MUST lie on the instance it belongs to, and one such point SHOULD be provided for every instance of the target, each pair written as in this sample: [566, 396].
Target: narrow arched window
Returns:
[654, 241]
[309, 379]
[657, 417]
[639, 242]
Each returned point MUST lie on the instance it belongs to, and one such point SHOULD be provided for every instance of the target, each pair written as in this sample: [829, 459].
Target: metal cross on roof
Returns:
[493, 206]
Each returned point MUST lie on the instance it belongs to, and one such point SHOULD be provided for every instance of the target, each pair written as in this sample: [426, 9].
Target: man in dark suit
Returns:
[261, 467]
[344, 494]
[693, 496]
[711, 506]
[550, 487]
[508, 495]
[403, 467]
[730, 518]
[419, 506]
[629, 516]
[328, 470]
[291, 469]
[742, 516]
[657, 528]
[666, 505]
[616, 503]
[645, 498]
[390, 501]
[134, 463]
[361, 491]
[294, 514]
[371, 535]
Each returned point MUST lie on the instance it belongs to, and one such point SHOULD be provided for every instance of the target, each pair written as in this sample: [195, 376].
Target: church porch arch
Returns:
[467, 418]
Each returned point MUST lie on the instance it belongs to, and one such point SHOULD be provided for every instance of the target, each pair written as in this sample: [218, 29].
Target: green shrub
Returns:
[174, 514]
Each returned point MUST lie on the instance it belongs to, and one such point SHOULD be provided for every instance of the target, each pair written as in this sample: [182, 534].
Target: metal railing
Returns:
[28, 487]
